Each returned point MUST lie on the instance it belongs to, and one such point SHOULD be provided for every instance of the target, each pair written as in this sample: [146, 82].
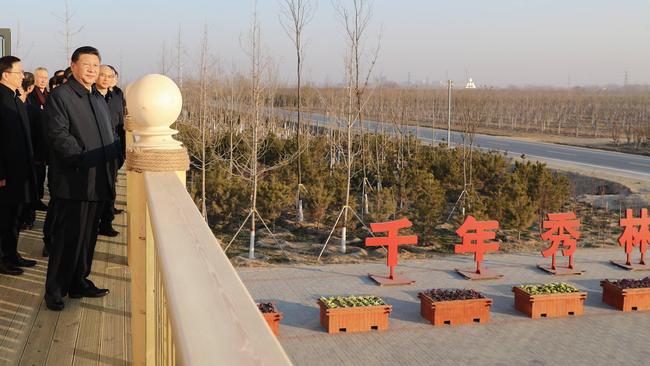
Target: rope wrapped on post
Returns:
[157, 160]
[129, 124]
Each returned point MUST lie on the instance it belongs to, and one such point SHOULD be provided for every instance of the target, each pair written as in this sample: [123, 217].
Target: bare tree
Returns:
[470, 122]
[179, 63]
[355, 21]
[203, 100]
[68, 31]
[233, 97]
[295, 15]
[18, 44]
[258, 124]
[201, 138]
[164, 64]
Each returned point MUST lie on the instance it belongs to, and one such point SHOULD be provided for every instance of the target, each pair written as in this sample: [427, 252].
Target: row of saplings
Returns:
[465, 306]
[418, 181]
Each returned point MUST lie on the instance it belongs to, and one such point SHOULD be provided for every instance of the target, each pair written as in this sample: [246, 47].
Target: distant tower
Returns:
[625, 79]
[470, 84]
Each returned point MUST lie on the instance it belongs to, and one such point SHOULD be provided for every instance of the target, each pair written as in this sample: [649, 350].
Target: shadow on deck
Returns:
[88, 331]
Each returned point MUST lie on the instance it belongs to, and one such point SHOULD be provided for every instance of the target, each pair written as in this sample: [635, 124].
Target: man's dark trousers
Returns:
[73, 230]
[108, 214]
[9, 229]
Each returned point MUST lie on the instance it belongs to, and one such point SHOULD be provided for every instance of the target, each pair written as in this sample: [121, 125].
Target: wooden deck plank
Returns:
[13, 315]
[88, 350]
[87, 331]
[40, 338]
[37, 335]
[127, 319]
[113, 344]
[101, 325]
[62, 350]
[88, 342]
[20, 300]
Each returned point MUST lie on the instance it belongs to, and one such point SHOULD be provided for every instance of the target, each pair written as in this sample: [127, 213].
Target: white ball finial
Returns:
[154, 102]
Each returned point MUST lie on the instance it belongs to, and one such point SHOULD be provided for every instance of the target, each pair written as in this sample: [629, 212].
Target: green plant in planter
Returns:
[549, 288]
[351, 301]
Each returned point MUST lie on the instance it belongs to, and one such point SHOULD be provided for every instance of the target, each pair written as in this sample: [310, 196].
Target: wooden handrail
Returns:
[213, 318]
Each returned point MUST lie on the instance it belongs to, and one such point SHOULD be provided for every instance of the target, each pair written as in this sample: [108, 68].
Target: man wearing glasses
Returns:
[17, 180]
[105, 85]
[84, 151]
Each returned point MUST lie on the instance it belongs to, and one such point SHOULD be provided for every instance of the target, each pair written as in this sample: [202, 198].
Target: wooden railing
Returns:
[189, 306]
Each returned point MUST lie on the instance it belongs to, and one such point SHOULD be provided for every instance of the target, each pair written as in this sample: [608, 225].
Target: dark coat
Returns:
[117, 107]
[36, 116]
[38, 97]
[16, 156]
[83, 144]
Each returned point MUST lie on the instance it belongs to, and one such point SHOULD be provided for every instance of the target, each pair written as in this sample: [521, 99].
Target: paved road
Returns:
[632, 165]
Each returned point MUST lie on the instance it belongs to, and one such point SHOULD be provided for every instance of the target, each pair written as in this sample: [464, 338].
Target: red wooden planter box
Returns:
[354, 319]
[273, 320]
[454, 312]
[549, 305]
[626, 299]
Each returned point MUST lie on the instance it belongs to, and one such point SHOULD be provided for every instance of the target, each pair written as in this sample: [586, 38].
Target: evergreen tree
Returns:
[275, 196]
[383, 204]
[476, 204]
[318, 200]
[227, 198]
[426, 202]
[520, 211]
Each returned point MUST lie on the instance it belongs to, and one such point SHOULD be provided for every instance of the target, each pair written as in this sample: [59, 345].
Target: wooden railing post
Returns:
[136, 208]
[154, 102]
[128, 137]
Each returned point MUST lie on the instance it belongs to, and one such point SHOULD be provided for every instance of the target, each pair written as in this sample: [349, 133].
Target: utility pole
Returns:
[449, 85]
[433, 120]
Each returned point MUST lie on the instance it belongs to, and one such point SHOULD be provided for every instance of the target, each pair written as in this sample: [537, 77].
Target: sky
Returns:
[497, 42]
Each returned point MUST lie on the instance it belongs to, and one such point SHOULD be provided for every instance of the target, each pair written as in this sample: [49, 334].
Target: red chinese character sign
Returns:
[636, 233]
[392, 240]
[562, 230]
[475, 235]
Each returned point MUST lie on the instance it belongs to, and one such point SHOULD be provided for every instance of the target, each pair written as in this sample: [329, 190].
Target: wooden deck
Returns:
[88, 331]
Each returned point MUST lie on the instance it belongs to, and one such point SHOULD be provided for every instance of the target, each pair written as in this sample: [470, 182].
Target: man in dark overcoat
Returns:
[114, 97]
[36, 99]
[17, 180]
[83, 153]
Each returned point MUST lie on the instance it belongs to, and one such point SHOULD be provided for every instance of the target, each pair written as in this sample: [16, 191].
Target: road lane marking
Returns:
[639, 164]
[634, 173]
[562, 153]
